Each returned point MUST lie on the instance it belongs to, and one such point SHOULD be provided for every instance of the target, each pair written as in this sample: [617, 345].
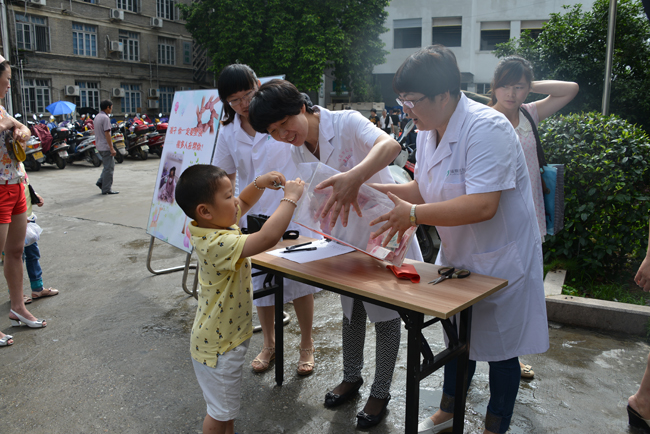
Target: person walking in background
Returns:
[105, 147]
[385, 122]
[512, 82]
[374, 118]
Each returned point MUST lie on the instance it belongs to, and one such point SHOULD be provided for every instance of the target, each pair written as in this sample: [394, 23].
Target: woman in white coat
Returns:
[350, 143]
[245, 155]
[471, 182]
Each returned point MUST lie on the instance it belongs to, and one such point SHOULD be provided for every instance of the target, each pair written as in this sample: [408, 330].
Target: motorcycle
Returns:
[135, 138]
[118, 143]
[402, 170]
[34, 154]
[82, 147]
[53, 142]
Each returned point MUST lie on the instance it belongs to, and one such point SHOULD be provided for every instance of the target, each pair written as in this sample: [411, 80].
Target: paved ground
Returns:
[115, 357]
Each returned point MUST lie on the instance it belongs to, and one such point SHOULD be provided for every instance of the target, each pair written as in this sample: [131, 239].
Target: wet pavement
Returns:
[115, 355]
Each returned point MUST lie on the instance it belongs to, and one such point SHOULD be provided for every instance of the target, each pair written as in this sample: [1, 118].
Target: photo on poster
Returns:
[171, 170]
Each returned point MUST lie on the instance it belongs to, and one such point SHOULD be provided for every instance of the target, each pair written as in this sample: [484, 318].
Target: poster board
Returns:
[191, 137]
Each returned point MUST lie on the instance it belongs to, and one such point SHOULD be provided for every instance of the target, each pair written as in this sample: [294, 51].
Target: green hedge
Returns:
[606, 191]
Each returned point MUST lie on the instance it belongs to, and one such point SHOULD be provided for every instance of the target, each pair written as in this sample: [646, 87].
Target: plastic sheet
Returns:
[357, 233]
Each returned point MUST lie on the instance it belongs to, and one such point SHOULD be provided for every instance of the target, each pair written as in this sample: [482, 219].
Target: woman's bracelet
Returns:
[290, 201]
[255, 183]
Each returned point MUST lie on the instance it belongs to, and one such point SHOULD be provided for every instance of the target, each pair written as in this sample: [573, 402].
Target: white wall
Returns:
[470, 58]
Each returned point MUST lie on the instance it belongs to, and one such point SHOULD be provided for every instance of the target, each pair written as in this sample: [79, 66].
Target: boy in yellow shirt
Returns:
[223, 323]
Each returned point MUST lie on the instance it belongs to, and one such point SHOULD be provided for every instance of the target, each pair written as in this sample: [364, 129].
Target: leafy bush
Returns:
[606, 191]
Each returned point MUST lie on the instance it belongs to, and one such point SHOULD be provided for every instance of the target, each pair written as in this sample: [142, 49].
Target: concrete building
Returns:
[136, 53]
[470, 28]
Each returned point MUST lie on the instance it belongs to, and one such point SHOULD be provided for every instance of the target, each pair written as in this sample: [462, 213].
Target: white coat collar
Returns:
[451, 135]
[242, 136]
[325, 133]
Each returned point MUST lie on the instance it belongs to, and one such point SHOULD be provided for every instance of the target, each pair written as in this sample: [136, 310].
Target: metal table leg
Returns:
[279, 332]
[461, 371]
[414, 341]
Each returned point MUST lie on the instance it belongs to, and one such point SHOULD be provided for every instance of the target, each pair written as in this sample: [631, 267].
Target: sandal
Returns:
[306, 368]
[26, 299]
[49, 292]
[4, 341]
[264, 364]
[527, 372]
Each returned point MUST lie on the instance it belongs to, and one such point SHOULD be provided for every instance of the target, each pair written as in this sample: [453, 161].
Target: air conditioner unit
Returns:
[155, 22]
[153, 93]
[153, 104]
[71, 90]
[117, 46]
[37, 2]
[118, 92]
[117, 15]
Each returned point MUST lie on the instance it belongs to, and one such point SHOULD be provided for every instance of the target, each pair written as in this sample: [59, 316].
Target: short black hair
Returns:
[372, 110]
[431, 71]
[273, 102]
[105, 104]
[232, 79]
[196, 185]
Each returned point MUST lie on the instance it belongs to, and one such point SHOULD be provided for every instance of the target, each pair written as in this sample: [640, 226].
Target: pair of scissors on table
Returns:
[450, 273]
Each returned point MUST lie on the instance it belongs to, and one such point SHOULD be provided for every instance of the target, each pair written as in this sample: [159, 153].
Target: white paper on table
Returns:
[324, 249]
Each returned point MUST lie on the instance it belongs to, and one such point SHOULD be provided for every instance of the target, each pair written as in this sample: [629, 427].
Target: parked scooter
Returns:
[53, 142]
[118, 143]
[82, 147]
[135, 138]
[402, 170]
[34, 154]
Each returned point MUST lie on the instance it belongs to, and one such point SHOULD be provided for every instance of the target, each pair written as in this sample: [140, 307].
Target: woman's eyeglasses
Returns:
[407, 103]
[248, 96]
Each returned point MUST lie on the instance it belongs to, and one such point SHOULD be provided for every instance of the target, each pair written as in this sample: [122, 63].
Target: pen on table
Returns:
[301, 250]
[298, 245]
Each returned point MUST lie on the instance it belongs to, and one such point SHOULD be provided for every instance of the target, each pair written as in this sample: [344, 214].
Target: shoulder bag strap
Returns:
[540, 152]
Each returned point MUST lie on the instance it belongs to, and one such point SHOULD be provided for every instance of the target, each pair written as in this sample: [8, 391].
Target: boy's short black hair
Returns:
[196, 185]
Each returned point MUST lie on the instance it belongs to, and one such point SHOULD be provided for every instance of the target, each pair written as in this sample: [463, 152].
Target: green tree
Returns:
[298, 38]
[572, 47]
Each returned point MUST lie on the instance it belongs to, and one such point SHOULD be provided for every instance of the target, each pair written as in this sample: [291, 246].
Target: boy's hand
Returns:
[271, 180]
[293, 189]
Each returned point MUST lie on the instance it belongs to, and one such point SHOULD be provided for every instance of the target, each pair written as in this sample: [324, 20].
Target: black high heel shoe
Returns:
[637, 421]
[333, 400]
[365, 420]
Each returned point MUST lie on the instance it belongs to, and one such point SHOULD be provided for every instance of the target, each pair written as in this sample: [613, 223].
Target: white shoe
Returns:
[39, 323]
[428, 427]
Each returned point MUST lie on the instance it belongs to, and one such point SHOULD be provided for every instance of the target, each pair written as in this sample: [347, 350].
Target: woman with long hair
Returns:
[245, 155]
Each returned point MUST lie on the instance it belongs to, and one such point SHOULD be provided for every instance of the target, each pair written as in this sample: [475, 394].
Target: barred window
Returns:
[166, 98]
[32, 33]
[129, 5]
[131, 43]
[84, 40]
[36, 95]
[166, 51]
[88, 94]
[132, 101]
[167, 9]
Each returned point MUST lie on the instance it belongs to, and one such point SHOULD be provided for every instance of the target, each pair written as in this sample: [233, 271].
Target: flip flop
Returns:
[26, 299]
[49, 292]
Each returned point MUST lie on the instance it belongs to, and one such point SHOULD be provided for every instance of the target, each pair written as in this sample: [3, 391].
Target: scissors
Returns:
[450, 273]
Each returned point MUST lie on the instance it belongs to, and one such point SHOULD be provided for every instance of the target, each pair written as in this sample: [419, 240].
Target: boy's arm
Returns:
[277, 224]
[253, 191]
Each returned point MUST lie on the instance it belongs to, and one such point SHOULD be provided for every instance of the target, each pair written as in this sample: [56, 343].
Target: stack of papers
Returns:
[324, 249]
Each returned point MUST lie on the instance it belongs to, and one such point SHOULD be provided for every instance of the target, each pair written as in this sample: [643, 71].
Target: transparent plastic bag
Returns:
[373, 204]
[33, 233]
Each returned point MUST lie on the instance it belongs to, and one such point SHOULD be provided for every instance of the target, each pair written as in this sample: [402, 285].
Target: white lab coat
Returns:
[345, 139]
[249, 157]
[480, 153]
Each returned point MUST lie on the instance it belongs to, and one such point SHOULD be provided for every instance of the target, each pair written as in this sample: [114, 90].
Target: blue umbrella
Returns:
[61, 108]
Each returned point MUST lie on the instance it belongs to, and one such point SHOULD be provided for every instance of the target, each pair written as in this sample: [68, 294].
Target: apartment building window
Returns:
[407, 33]
[84, 40]
[94, 2]
[166, 51]
[36, 95]
[131, 43]
[32, 33]
[535, 27]
[167, 9]
[483, 88]
[166, 98]
[88, 94]
[447, 31]
[129, 5]
[187, 53]
[493, 33]
[132, 101]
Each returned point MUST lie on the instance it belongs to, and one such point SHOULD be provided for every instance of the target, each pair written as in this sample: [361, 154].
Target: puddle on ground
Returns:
[137, 244]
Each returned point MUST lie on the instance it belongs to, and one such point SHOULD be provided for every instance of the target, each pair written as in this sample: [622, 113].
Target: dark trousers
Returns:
[105, 181]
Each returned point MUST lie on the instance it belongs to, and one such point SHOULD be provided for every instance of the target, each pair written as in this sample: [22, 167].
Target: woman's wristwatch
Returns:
[412, 217]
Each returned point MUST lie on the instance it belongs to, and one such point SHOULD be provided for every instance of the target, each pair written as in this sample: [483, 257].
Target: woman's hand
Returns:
[271, 180]
[293, 189]
[41, 202]
[21, 134]
[397, 220]
[345, 188]
[642, 277]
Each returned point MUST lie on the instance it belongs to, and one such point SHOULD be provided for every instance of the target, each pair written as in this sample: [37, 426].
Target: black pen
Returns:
[300, 250]
[298, 245]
